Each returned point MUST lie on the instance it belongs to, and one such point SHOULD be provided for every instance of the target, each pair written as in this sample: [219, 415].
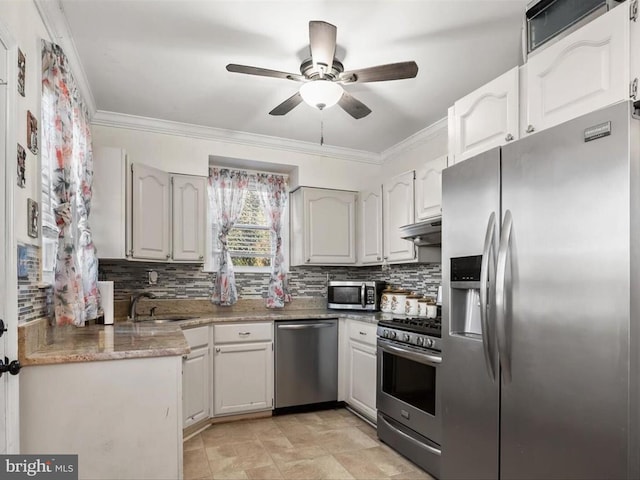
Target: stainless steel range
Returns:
[408, 400]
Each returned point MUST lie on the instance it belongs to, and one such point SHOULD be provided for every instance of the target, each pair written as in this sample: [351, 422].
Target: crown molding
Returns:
[154, 125]
[415, 140]
[57, 26]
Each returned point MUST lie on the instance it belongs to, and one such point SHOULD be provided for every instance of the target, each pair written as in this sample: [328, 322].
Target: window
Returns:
[250, 241]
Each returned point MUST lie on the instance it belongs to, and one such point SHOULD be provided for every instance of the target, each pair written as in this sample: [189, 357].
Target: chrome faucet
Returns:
[134, 302]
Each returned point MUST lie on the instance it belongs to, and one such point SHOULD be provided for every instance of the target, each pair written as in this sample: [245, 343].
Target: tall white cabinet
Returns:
[398, 210]
[428, 185]
[370, 221]
[188, 215]
[323, 227]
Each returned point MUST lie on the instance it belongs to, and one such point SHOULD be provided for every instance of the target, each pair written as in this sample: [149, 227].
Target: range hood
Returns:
[424, 233]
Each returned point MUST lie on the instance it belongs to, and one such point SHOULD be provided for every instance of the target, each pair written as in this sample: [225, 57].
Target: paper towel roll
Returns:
[106, 293]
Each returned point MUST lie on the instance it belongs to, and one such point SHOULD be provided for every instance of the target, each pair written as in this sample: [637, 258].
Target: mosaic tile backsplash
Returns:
[33, 302]
[189, 281]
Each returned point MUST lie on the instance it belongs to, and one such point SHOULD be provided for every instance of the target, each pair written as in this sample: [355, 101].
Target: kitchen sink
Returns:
[167, 319]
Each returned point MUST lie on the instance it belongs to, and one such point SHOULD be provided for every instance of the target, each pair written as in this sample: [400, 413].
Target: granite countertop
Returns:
[44, 345]
[107, 342]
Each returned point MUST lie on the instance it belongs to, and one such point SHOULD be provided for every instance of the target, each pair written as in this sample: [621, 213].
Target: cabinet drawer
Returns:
[242, 332]
[197, 337]
[362, 332]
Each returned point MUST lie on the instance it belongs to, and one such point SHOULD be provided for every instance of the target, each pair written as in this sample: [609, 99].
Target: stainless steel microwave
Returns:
[354, 295]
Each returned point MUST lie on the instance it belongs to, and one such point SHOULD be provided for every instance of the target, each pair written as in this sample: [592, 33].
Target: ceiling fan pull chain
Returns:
[321, 128]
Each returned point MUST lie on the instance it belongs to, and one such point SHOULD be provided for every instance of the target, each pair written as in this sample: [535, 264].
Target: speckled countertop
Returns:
[42, 345]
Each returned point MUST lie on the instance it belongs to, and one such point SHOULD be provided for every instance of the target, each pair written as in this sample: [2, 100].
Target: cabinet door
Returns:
[330, 226]
[109, 202]
[243, 378]
[196, 385]
[585, 71]
[370, 218]
[150, 213]
[188, 194]
[398, 206]
[487, 117]
[361, 392]
[429, 189]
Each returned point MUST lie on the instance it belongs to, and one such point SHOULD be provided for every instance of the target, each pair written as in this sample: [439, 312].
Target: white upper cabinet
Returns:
[323, 227]
[189, 203]
[370, 233]
[429, 189]
[150, 212]
[485, 118]
[398, 210]
[587, 70]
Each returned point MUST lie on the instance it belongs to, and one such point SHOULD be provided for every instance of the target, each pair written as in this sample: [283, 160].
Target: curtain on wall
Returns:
[274, 193]
[227, 190]
[66, 144]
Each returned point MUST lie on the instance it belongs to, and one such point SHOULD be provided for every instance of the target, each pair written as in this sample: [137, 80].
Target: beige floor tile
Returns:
[272, 444]
[374, 462]
[369, 431]
[320, 468]
[415, 474]
[286, 455]
[270, 472]
[238, 456]
[196, 465]
[230, 476]
[194, 443]
[345, 440]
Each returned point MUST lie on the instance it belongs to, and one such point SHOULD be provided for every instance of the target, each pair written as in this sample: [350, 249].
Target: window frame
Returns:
[211, 264]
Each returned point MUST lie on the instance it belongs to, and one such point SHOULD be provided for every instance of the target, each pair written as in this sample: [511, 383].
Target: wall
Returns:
[188, 281]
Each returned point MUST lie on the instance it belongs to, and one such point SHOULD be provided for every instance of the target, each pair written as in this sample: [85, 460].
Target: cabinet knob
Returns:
[508, 138]
[201, 257]
[308, 260]
[168, 256]
[218, 350]
[378, 258]
[530, 129]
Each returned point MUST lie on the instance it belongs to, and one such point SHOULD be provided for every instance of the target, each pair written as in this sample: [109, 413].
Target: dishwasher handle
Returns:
[303, 326]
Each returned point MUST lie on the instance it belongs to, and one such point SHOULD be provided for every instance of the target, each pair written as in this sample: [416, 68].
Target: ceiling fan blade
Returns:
[288, 105]
[264, 72]
[353, 107]
[381, 73]
[322, 42]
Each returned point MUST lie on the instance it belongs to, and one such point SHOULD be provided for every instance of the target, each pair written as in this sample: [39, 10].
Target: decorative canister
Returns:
[411, 305]
[398, 298]
[432, 311]
[385, 300]
[422, 307]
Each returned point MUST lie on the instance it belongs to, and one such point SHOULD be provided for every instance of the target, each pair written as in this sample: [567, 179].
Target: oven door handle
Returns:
[410, 354]
[429, 448]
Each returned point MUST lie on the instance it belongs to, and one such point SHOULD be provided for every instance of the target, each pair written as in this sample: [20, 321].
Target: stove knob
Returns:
[407, 337]
[428, 342]
[385, 333]
[392, 334]
[420, 341]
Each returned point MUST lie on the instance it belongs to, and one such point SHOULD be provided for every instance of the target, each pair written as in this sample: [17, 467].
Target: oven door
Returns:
[408, 387]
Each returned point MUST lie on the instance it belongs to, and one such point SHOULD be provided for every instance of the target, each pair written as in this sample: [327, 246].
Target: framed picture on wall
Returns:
[21, 72]
[32, 133]
[32, 218]
[22, 157]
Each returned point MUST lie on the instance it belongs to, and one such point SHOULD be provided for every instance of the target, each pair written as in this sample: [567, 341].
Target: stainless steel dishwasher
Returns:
[306, 362]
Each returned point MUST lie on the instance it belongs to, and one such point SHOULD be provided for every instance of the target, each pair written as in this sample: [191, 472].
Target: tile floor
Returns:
[330, 444]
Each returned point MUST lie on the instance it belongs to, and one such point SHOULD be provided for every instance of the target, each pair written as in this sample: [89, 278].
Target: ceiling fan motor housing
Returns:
[309, 71]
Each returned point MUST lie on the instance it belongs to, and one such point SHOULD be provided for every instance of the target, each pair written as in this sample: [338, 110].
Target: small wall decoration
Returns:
[22, 157]
[32, 218]
[32, 133]
[21, 75]
[22, 262]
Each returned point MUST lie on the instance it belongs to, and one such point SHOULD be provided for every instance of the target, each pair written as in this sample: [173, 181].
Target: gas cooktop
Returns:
[425, 326]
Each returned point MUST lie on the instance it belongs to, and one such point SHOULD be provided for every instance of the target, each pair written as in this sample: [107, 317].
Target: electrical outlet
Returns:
[153, 277]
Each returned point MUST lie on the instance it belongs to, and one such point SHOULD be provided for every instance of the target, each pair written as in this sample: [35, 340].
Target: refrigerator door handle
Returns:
[501, 306]
[484, 294]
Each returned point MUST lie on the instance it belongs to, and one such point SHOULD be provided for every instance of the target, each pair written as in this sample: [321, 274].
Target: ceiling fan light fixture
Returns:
[321, 94]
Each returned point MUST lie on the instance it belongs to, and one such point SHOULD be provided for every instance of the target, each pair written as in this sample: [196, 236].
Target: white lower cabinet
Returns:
[196, 377]
[243, 368]
[361, 368]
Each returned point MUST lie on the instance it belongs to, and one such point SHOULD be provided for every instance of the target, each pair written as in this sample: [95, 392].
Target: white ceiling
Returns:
[166, 59]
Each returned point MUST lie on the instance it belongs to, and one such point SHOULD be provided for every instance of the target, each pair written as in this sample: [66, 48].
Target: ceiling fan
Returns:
[323, 75]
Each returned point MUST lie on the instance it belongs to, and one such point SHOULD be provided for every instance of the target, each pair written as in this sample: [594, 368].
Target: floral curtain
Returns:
[227, 190]
[66, 144]
[274, 193]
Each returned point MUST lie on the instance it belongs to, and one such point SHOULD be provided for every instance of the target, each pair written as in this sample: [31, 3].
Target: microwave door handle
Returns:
[363, 295]
[501, 306]
[484, 287]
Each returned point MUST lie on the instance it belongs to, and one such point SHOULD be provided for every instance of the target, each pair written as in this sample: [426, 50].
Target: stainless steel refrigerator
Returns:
[541, 254]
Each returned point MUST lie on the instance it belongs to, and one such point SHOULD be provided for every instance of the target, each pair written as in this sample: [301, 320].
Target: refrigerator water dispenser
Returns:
[465, 296]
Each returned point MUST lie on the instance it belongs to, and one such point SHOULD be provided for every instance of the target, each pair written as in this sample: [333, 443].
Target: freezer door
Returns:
[470, 398]
[564, 408]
